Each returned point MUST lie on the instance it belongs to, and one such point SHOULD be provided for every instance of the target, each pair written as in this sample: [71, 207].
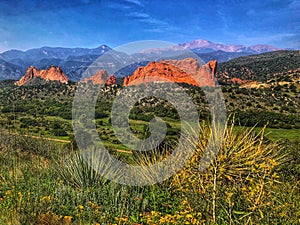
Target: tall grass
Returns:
[25, 173]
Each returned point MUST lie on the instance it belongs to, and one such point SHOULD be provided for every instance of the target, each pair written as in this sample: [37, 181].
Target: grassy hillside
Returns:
[260, 67]
[46, 109]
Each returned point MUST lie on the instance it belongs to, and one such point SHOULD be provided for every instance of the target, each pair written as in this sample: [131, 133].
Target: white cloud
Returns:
[146, 18]
[155, 30]
[119, 6]
[154, 21]
[139, 15]
[136, 2]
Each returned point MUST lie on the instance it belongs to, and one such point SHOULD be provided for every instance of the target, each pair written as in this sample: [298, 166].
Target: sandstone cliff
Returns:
[52, 73]
[179, 71]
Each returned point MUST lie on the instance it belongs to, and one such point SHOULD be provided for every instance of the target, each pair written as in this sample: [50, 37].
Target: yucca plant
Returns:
[237, 184]
[84, 169]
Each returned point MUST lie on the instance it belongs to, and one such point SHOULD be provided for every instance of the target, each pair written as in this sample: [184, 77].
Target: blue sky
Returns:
[90, 23]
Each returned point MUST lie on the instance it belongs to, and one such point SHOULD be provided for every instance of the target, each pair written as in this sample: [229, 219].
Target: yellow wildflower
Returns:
[188, 216]
[68, 218]
[46, 198]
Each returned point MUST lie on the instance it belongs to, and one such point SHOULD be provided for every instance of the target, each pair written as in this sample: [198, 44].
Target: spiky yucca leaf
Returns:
[85, 169]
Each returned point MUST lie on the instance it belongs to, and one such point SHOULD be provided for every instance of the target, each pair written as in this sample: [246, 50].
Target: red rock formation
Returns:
[111, 80]
[158, 72]
[179, 71]
[52, 73]
[188, 65]
[98, 78]
[239, 81]
[101, 77]
[213, 66]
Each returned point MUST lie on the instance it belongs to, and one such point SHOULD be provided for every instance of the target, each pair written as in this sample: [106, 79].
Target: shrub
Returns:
[238, 183]
[60, 132]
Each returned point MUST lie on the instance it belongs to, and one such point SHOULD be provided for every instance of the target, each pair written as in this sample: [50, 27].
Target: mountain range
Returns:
[75, 61]
[204, 46]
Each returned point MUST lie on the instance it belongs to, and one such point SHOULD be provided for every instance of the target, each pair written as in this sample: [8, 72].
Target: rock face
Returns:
[101, 77]
[111, 80]
[98, 78]
[179, 71]
[52, 73]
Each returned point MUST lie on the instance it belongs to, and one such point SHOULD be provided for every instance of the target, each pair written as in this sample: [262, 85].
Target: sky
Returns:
[90, 23]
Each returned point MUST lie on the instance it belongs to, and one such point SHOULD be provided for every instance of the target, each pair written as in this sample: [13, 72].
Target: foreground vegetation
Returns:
[251, 181]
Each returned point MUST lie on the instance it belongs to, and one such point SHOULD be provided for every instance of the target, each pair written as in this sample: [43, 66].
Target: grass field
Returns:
[277, 134]
[283, 134]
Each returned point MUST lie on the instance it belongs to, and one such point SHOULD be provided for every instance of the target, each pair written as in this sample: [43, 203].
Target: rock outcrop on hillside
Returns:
[239, 81]
[101, 77]
[178, 71]
[111, 80]
[53, 73]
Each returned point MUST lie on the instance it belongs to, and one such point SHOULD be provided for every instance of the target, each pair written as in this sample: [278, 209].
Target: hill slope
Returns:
[260, 67]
